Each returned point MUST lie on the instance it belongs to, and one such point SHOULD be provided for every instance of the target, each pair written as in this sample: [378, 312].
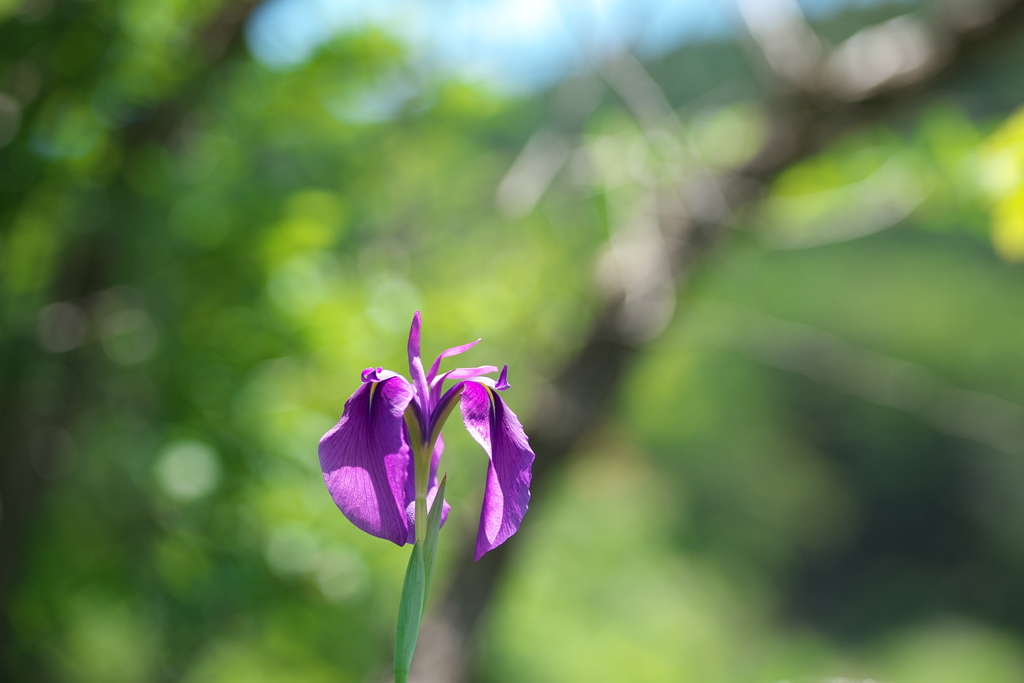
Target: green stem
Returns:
[421, 459]
[422, 473]
[422, 453]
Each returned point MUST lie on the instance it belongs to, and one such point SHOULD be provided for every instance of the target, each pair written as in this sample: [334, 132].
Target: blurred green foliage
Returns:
[815, 471]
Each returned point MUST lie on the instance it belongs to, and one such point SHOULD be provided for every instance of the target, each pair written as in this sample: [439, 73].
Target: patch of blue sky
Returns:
[512, 45]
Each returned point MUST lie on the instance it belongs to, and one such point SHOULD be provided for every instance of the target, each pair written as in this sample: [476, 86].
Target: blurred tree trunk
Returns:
[813, 105]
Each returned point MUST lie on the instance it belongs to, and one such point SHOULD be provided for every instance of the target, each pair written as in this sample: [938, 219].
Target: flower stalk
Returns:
[421, 471]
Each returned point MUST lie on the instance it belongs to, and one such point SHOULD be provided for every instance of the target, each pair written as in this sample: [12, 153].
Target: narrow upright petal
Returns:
[502, 383]
[454, 351]
[458, 374]
[365, 458]
[413, 346]
[468, 373]
[507, 494]
[416, 374]
[410, 490]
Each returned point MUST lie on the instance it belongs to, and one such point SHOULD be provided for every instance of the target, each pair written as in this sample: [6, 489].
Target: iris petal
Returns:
[507, 495]
[454, 351]
[365, 459]
[502, 383]
[458, 374]
[419, 378]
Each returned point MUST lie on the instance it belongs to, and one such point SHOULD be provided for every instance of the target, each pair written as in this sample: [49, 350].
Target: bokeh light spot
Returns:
[188, 470]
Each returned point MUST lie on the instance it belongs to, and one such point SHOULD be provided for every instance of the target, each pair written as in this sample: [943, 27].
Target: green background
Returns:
[814, 471]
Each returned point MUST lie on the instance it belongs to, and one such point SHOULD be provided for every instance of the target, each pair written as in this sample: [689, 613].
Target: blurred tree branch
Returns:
[820, 93]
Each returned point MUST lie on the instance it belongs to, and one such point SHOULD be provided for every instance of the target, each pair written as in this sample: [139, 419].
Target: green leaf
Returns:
[410, 612]
[430, 544]
[415, 590]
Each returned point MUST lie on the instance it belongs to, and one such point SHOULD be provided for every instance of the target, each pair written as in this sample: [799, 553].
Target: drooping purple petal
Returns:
[507, 495]
[365, 458]
[454, 351]
[410, 491]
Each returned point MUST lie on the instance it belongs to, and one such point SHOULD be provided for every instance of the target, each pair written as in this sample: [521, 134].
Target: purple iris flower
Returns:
[380, 460]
